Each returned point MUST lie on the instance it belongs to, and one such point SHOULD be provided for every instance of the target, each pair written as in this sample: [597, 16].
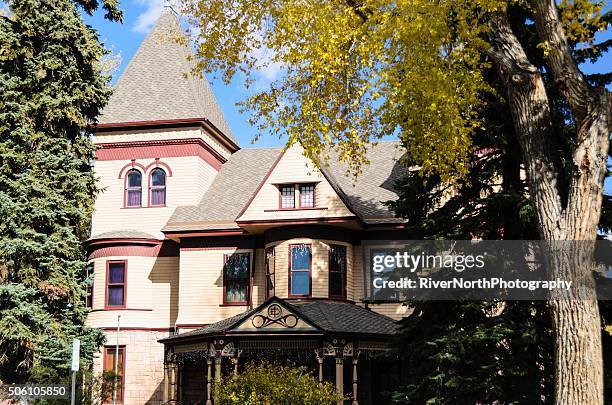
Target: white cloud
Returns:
[152, 11]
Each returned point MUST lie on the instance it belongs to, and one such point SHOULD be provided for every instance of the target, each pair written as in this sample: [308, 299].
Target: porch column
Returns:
[172, 382]
[340, 375]
[235, 363]
[208, 380]
[217, 376]
[179, 383]
[355, 360]
[166, 393]
[319, 354]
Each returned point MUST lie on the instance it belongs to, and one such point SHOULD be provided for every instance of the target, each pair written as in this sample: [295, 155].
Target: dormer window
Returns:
[157, 188]
[133, 189]
[287, 199]
[297, 196]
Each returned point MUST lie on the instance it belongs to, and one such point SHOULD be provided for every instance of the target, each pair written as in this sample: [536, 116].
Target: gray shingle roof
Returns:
[154, 87]
[234, 185]
[126, 233]
[375, 185]
[240, 176]
[328, 316]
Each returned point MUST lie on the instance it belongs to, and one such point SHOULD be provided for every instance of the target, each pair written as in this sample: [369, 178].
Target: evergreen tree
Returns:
[51, 90]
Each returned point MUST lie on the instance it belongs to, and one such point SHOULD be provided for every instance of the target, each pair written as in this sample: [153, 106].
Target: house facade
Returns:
[204, 255]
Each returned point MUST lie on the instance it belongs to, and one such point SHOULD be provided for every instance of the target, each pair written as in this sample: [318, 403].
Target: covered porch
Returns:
[336, 341]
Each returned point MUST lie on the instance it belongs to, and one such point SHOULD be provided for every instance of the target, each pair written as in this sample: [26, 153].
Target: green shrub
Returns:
[273, 384]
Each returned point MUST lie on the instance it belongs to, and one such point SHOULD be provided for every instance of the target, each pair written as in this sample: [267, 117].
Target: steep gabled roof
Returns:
[240, 177]
[157, 84]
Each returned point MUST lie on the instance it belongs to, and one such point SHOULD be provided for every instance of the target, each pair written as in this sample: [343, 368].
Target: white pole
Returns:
[116, 363]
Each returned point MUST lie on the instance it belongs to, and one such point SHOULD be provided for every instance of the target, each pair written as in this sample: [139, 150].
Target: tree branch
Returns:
[531, 118]
[569, 79]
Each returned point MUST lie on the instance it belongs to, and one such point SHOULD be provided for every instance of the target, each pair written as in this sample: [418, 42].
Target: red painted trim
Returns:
[280, 196]
[158, 163]
[125, 273]
[118, 126]
[163, 148]
[150, 189]
[122, 309]
[298, 209]
[296, 222]
[309, 272]
[123, 356]
[125, 189]
[134, 328]
[194, 249]
[261, 185]
[131, 165]
[214, 232]
[248, 294]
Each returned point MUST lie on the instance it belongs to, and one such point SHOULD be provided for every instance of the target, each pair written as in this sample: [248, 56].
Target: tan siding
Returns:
[151, 294]
[190, 179]
[201, 287]
[294, 167]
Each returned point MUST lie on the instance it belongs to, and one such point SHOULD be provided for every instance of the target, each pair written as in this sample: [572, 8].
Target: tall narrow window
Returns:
[89, 274]
[114, 374]
[270, 272]
[158, 187]
[307, 195]
[115, 283]
[133, 189]
[287, 196]
[300, 261]
[337, 271]
[236, 279]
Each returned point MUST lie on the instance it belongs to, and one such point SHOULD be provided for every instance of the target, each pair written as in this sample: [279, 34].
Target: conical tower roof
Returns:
[154, 87]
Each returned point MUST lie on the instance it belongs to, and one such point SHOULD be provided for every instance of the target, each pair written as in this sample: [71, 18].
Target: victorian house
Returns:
[204, 255]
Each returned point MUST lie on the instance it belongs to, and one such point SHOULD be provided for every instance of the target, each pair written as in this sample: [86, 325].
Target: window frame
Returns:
[268, 274]
[343, 273]
[152, 187]
[89, 288]
[112, 348]
[314, 194]
[280, 196]
[289, 294]
[124, 284]
[126, 189]
[226, 256]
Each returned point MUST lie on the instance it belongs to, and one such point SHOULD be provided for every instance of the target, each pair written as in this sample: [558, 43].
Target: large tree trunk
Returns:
[578, 356]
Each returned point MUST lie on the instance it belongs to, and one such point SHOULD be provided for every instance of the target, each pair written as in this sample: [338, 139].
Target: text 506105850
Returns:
[34, 391]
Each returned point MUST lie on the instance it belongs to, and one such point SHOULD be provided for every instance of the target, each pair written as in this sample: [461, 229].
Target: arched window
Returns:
[133, 189]
[157, 188]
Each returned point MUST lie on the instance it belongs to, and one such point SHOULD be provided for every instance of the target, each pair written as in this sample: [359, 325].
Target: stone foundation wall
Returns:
[144, 365]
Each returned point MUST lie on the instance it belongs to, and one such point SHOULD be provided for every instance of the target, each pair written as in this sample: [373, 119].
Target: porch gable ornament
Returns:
[274, 316]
